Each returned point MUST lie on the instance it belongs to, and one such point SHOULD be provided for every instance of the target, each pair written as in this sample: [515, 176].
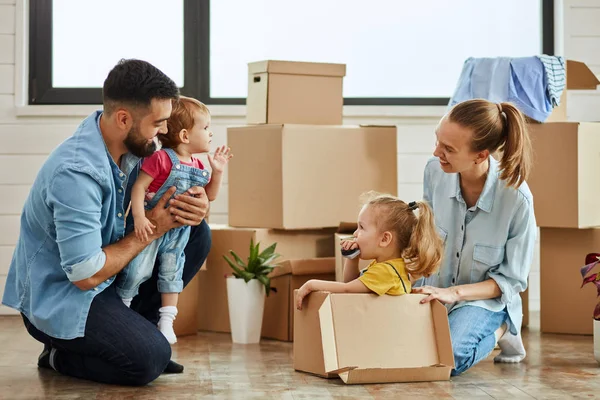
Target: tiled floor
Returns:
[558, 367]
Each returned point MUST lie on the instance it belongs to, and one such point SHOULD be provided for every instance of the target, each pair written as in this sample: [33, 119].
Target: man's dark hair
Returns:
[135, 83]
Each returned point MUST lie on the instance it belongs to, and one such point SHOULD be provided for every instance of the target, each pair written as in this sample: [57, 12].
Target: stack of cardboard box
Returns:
[296, 174]
[565, 182]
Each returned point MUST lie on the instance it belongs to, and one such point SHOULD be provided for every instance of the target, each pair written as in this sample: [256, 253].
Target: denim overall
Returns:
[169, 248]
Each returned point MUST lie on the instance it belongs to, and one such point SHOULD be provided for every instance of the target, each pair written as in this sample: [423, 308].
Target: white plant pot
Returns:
[246, 307]
[597, 340]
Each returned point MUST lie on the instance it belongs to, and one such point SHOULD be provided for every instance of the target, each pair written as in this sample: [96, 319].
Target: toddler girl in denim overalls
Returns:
[173, 165]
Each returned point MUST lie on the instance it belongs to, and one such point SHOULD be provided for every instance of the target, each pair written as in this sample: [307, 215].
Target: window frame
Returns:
[196, 62]
[41, 91]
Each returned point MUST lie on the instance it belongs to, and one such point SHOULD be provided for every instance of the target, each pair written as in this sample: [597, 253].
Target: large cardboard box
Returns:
[289, 176]
[213, 309]
[186, 322]
[295, 93]
[565, 178]
[579, 77]
[345, 231]
[365, 338]
[278, 319]
[566, 307]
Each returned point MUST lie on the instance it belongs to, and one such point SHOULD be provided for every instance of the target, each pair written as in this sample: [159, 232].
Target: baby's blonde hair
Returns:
[416, 236]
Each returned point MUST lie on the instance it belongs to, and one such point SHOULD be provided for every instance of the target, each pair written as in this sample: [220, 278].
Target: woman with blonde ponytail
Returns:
[401, 243]
[484, 214]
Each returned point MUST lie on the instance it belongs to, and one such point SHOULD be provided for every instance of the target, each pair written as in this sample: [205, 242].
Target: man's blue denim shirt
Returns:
[74, 209]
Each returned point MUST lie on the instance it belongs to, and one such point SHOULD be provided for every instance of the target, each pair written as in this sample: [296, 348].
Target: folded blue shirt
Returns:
[521, 81]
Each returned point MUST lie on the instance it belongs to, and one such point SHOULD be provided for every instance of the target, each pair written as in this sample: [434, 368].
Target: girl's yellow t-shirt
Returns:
[388, 277]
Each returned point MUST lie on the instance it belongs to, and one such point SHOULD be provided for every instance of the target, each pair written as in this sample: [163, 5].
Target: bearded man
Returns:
[74, 239]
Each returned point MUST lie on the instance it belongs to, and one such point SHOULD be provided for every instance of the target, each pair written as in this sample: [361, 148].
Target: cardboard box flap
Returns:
[297, 68]
[442, 335]
[379, 375]
[352, 334]
[347, 227]
[579, 76]
[342, 371]
[284, 268]
[306, 266]
[313, 266]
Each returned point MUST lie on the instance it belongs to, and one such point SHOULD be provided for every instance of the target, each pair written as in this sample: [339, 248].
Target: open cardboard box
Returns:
[213, 309]
[579, 77]
[365, 338]
[278, 317]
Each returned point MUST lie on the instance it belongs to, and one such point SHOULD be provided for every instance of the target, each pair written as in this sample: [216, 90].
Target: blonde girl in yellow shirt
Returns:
[402, 245]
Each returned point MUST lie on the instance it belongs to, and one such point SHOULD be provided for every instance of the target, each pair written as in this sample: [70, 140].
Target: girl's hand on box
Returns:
[443, 295]
[302, 293]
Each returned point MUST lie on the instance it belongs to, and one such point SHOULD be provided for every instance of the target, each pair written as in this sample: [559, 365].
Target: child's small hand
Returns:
[302, 293]
[220, 158]
[348, 244]
[143, 228]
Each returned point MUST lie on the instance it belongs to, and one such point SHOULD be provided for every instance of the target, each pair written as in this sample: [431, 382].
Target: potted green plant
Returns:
[246, 290]
[591, 260]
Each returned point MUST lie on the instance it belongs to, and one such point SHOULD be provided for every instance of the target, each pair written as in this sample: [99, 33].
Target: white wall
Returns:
[577, 37]
[28, 134]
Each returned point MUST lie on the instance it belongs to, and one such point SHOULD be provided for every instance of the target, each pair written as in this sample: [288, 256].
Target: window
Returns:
[73, 46]
[396, 52]
[82, 60]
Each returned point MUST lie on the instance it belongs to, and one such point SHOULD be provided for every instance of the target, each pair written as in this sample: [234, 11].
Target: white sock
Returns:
[165, 323]
[127, 302]
[499, 333]
[511, 348]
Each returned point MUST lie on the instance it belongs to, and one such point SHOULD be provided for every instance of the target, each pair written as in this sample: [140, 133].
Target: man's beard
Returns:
[137, 145]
